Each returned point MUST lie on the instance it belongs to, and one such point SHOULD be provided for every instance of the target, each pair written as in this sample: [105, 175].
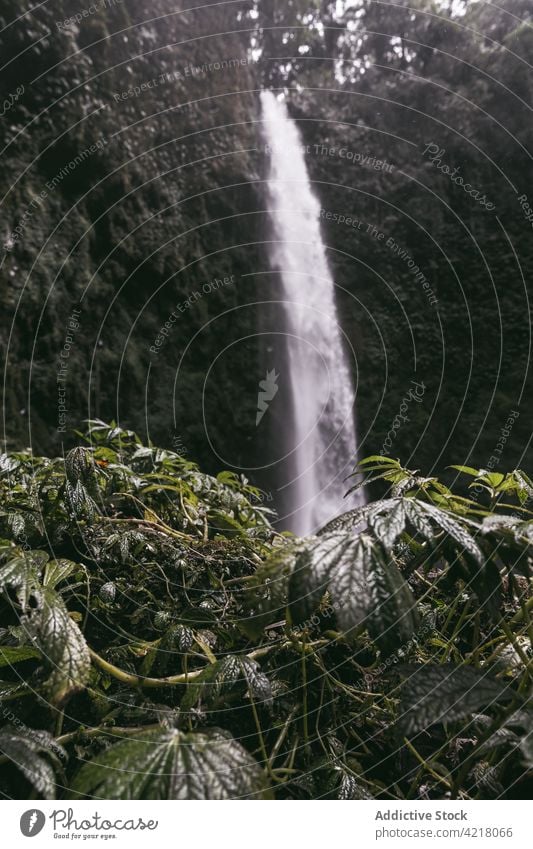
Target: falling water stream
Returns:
[322, 440]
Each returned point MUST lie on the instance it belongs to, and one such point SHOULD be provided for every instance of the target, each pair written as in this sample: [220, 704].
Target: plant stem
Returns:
[134, 680]
[101, 731]
[516, 645]
[282, 736]
[59, 723]
[475, 640]
[139, 681]
[259, 732]
[424, 763]
[457, 629]
[305, 718]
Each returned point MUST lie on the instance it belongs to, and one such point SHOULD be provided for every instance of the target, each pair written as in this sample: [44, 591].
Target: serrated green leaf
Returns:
[224, 676]
[446, 693]
[368, 590]
[455, 530]
[345, 522]
[378, 458]
[181, 637]
[349, 583]
[57, 571]
[25, 749]
[224, 524]
[22, 573]
[17, 524]
[167, 764]
[350, 788]
[259, 688]
[309, 578]
[63, 646]
[418, 518]
[79, 501]
[388, 527]
[393, 615]
[79, 466]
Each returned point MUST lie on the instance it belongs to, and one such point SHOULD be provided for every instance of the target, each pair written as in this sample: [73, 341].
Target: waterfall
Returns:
[319, 431]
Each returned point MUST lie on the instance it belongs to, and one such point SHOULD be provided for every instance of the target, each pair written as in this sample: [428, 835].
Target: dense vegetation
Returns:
[153, 620]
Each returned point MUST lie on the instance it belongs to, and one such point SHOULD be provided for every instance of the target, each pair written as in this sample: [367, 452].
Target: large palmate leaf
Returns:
[387, 519]
[310, 575]
[388, 526]
[167, 764]
[36, 755]
[63, 646]
[446, 693]
[454, 529]
[366, 588]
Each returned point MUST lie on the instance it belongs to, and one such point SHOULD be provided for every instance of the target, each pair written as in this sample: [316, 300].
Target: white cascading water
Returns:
[323, 443]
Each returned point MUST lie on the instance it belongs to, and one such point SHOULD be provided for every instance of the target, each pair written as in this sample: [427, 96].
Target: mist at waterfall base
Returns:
[307, 390]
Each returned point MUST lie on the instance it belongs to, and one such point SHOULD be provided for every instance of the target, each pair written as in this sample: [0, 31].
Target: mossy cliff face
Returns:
[437, 314]
[131, 214]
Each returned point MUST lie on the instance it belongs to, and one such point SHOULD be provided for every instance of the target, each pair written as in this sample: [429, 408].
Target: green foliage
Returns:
[365, 587]
[37, 756]
[168, 643]
[445, 693]
[166, 764]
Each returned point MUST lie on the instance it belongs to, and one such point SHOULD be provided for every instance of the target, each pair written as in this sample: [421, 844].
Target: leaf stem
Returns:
[305, 717]
[133, 680]
[81, 732]
[424, 763]
[139, 681]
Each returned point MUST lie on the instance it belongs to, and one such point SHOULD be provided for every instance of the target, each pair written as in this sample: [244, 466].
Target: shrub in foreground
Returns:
[159, 639]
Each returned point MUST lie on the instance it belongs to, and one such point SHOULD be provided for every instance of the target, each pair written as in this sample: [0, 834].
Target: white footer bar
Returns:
[264, 825]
